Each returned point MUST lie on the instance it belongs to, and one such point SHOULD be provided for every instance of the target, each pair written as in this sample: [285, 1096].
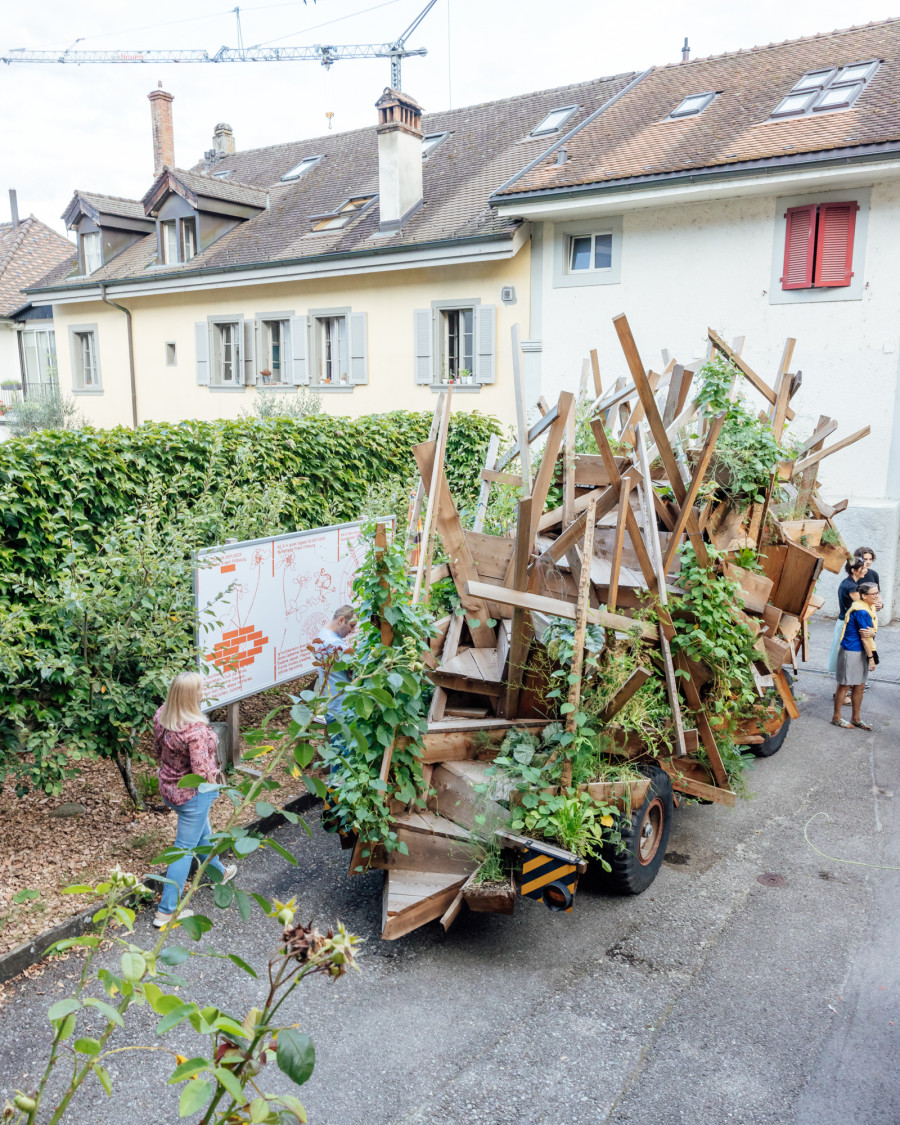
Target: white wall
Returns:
[711, 264]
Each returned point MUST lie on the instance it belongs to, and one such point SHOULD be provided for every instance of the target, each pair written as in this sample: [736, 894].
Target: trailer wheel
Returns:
[644, 838]
[774, 742]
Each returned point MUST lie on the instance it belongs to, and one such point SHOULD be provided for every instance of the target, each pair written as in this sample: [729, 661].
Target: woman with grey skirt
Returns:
[857, 570]
[856, 655]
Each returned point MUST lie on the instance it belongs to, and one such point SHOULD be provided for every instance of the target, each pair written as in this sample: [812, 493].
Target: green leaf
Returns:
[176, 1016]
[259, 1110]
[244, 845]
[243, 903]
[25, 895]
[174, 955]
[191, 781]
[295, 1055]
[104, 1078]
[242, 964]
[223, 895]
[134, 966]
[316, 785]
[566, 708]
[231, 1084]
[189, 1069]
[263, 809]
[107, 1009]
[194, 1097]
[283, 852]
[87, 1046]
[66, 1027]
[78, 889]
[196, 925]
[62, 1008]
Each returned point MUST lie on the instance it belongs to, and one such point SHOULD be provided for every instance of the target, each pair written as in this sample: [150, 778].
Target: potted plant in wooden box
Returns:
[491, 889]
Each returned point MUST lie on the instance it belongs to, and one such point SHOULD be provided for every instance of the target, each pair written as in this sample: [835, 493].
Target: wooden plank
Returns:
[520, 637]
[438, 574]
[633, 684]
[452, 911]
[658, 430]
[521, 424]
[760, 384]
[420, 488]
[577, 661]
[824, 429]
[585, 376]
[398, 923]
[783, 689]
[569, 479]
[462, 565]
[544, 476]
[694, 788]
[779, 411]
[595, 369]
[670, 409]
[485, 489]
[690, 498]
[492, 476]
[542, 406]
[427, 852]
[637, 415]
[556, 608]
[434, 499]
[456, 800]
[451, 644]
[542, 424]
[616, 563]
[815, 458]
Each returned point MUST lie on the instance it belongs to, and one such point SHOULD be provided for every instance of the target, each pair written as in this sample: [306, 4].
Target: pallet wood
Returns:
[760, 384]
[411, 899]
[814, 458]
[434, 496]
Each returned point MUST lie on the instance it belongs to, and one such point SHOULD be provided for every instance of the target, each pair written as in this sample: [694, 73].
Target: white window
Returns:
[168, 234]
[831, 89]
[692, 106]
[273, 356]
[431, 141]
[90, 251]
[188, 239]
[554, 121]
[305, 165]
[332, 355]
[85, 361]
[226, 354]
[38, 351]
[457, 333]
[454, 341]
[343, 214]
[171, 355]
[590, 252]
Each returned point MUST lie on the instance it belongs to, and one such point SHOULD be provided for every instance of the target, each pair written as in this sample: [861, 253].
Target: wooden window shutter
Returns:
[201, 352]
[299, 351]
[422, 334]
[834, 244]
[249, 353]
[359, 360]
[485, 343]
[799, 246]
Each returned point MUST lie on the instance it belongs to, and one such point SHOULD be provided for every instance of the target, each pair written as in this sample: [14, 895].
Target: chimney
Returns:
[685, 51]
[14, 207]
[223, 139]
[399, 156]
[163, 137]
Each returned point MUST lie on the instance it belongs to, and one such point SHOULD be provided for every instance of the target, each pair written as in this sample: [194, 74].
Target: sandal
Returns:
[841, 723]
[860, 725]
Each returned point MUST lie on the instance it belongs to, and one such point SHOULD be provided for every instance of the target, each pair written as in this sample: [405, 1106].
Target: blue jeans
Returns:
[192, 832]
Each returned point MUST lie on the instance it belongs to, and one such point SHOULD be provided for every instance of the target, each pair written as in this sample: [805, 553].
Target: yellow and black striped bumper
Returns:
[549, 880]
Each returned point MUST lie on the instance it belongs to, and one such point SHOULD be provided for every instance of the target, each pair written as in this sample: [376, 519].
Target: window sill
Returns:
[87, 390]
[461, 388]
[280, 387]
[333, 388]
[226, 390]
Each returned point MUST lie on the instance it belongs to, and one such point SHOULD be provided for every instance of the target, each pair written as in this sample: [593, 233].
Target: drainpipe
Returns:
[127, 312]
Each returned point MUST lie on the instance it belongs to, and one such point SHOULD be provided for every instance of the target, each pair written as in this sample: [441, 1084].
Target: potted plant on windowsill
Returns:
[465, 377]
[266, 376]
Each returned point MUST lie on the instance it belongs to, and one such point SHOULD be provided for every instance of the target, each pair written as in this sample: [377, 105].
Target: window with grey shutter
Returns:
[422, 335]
[201, 348]
[249, 356]
[299, 351]
[485, 343]
[359, 355]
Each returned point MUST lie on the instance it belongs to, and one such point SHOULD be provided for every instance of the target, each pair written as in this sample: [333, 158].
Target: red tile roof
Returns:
[27, 252]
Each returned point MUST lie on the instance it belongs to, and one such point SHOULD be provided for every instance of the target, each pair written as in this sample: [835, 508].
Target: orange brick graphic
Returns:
[227, 569]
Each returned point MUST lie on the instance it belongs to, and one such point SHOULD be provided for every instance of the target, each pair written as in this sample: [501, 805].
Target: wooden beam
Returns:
[690, 497]
[556, 608]
[595, 368]
[521, 423]
[670, 408]
[616, 562]
[814, 458]
[533, 434]
[544, 476]
[783, 689]
[484, 491]
[760, 384]
[462, 565]
[824, 429]
[577, 662]
[779, 411]
[420, 488]
[520, 637]
[632, 685]
[426, 553]
[694, 788]
[583, 385]
[491, 476]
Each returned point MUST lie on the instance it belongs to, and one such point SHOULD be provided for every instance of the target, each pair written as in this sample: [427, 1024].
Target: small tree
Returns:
[49, 411]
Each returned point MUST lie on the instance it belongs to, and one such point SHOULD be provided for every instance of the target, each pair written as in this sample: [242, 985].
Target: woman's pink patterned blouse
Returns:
[180, 752]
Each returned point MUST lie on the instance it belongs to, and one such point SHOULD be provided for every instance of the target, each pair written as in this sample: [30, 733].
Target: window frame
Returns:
[79, 335]
[569, 110]
[817, 91]
[263, 361]
[593, 267]
[217, 380]
[709, 96]
[298, 171]
[171, 353]
[96, 241]
[564, 233]
[316, 319]
[44, 357]
[820, 294]
[177, 227]
[437, 139]
[439, 309]
[325, 221]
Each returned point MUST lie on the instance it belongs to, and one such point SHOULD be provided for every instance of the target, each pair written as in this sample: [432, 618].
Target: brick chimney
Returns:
[163, 137]
[399, 156]
[223, 139]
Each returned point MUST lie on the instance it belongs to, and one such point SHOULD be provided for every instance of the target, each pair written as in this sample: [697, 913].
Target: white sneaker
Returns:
[230, 872]
[164, 919]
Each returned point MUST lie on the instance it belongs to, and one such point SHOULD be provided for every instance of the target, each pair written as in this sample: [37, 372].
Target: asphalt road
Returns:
[711, 998]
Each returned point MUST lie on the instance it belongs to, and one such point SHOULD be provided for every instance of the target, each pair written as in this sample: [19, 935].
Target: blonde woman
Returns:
[184, 743]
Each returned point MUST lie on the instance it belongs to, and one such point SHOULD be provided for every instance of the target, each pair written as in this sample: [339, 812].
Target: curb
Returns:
[31, 952]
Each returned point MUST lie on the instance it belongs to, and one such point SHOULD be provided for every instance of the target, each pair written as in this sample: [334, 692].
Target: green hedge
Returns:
[60, 488]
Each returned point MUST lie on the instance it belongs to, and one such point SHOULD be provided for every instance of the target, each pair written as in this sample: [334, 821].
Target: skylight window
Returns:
[342, 216]
[224, 175]
[692, 106]
[554, 121]
[302, 168]
[822, 90]
[430, 143]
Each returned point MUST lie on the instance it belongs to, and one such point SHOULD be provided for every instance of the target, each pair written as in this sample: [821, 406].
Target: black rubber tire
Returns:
[645, 838]
[774, 742]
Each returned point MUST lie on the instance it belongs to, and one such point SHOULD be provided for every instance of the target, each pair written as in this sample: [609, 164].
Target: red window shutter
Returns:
[834, 243]
[799, 244]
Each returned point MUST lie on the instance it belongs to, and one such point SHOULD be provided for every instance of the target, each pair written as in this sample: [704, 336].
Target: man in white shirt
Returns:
[330, 647]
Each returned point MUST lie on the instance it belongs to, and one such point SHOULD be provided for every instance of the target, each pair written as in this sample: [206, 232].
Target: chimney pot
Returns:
[223, 139]
[399, 133]
[685, 51]
[163, 136]
[14, 207]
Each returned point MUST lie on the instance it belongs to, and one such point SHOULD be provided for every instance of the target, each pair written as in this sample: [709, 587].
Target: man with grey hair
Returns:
[330, 647]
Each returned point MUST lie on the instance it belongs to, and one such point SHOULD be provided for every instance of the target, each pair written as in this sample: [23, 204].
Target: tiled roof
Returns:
[633, 139]
[111, 205]
[202, 184]
[27, 252]
[488, 143]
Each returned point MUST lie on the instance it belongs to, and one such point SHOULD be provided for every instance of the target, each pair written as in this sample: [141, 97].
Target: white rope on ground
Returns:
[834, 859]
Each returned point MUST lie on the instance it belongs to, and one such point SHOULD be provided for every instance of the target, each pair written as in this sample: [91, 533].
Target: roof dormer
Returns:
[105, 225]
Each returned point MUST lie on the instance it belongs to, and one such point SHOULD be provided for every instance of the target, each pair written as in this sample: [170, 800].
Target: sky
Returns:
[66, 127]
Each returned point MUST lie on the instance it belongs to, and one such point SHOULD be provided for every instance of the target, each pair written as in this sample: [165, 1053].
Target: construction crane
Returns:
[326, 54]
